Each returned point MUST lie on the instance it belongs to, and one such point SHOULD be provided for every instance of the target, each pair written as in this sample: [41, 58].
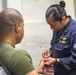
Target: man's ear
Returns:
[16, 28]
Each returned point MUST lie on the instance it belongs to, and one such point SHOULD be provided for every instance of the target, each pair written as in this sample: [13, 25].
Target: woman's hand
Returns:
[46, 54]
[49, 61]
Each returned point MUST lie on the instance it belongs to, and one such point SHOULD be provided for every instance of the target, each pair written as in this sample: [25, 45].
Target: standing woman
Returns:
[63, 43]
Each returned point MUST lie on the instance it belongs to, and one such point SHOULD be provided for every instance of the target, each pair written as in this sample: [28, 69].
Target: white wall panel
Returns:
[70, 8]
[17, 4]
[34, 10]
[0, 5]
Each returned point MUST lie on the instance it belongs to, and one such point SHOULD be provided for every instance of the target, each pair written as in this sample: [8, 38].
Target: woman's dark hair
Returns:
[56, 11]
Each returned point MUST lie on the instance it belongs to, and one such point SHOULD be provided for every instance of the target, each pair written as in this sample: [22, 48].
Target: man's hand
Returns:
[44, 69]
[41, 68]
[49, 70]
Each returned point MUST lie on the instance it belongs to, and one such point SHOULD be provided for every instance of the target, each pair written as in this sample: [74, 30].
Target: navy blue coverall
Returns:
[63, 46]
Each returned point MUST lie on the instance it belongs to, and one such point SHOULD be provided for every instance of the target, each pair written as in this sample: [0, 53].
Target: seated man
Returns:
[17, 61]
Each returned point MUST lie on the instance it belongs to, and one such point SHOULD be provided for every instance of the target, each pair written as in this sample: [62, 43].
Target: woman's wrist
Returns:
[57, 60]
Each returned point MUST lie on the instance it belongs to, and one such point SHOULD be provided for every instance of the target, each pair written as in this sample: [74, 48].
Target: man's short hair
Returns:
[9, 17]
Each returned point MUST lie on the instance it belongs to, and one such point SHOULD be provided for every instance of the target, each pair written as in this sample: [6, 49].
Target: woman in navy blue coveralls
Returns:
[63, 43]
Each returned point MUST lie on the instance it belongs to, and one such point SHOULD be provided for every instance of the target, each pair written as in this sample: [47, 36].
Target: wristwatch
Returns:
[57, 60]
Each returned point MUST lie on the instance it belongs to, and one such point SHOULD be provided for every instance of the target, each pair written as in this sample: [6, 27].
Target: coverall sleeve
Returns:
[70, 62]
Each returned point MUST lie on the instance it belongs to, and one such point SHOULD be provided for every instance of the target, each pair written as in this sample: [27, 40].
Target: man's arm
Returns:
[32, 73]
[40, 69]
